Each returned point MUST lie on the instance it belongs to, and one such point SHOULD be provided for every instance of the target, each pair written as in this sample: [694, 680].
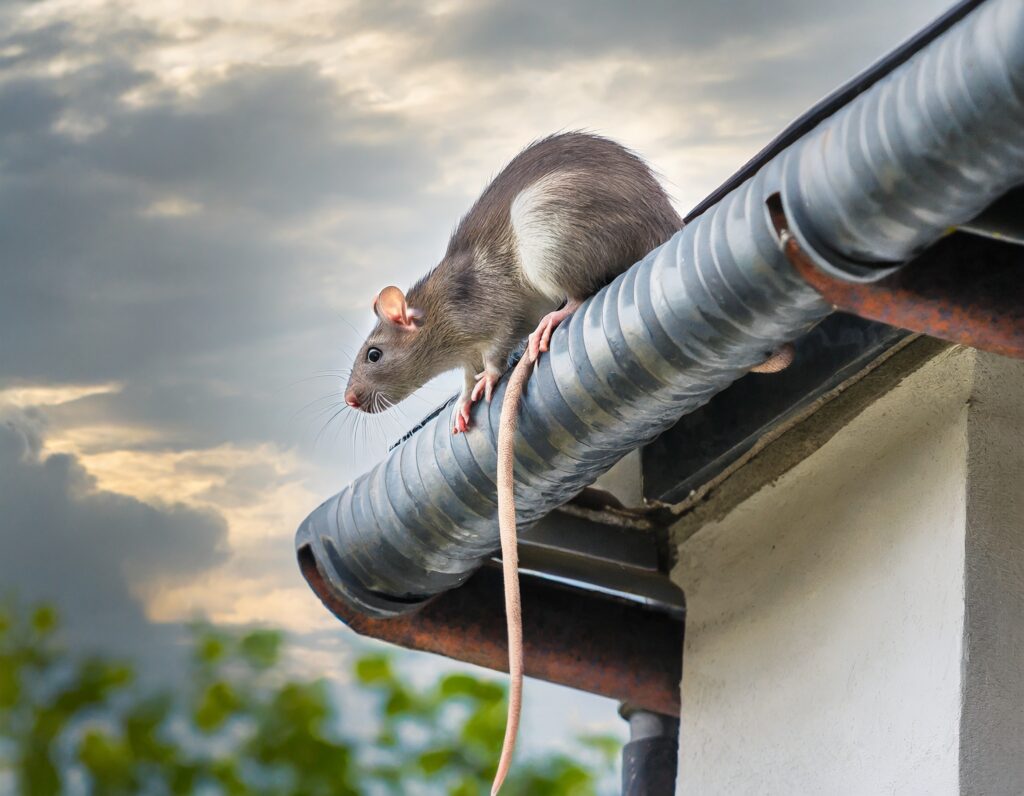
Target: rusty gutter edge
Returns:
[574, 637]
[965, 289]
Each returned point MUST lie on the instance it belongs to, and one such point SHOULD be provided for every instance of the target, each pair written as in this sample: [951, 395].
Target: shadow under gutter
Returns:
[927, 148]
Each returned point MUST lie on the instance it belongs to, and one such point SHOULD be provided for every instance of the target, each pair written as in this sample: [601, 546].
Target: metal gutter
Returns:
[927, 148]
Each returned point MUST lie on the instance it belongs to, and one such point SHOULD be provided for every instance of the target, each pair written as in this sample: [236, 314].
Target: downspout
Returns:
[926, 149]
[649, 757]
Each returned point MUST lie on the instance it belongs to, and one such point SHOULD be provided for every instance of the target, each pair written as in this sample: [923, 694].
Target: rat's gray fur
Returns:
[562, 219]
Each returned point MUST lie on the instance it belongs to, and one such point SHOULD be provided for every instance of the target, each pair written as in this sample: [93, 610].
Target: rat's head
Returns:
[399, 355]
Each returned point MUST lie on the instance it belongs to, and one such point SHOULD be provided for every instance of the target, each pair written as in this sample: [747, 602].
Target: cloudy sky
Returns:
[198, 202]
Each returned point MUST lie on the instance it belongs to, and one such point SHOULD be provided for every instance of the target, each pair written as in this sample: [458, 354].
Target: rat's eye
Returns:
[374, 355]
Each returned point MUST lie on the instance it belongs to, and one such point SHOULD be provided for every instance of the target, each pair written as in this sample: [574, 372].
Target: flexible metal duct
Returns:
[926, 148]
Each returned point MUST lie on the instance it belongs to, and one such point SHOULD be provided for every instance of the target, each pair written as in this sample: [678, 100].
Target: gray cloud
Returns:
[537, 33]
[192, 311]
[62, 539]
[279, 140]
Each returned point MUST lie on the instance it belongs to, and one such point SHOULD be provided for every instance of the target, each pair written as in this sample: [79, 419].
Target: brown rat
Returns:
[566, 216]
[562, 219]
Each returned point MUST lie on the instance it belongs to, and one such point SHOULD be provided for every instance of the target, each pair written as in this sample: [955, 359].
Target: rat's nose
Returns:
[352, 400]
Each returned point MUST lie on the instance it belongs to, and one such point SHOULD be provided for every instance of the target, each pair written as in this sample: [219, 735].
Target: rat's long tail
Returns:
[510, 560]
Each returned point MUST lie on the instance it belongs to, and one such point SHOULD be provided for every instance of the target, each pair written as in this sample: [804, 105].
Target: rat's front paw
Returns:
[461, 421]
[484, 388]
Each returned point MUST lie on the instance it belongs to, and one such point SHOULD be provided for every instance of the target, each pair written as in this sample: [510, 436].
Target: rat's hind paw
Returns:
[485, 383]
[540, 339]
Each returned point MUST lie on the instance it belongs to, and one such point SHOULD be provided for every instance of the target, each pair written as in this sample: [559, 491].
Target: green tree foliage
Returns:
[239, 725]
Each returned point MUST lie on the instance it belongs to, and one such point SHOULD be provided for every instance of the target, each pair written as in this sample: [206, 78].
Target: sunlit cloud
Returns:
[259, 492]
[173, 207]
[228, 597]
[36, 395]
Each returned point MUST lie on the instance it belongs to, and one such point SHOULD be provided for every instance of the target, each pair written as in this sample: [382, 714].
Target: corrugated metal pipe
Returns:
[926, 148]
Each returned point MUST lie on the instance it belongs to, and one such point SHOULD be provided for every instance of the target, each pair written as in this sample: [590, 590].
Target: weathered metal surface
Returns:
[590, 641]
[965, 289]
[926, 148]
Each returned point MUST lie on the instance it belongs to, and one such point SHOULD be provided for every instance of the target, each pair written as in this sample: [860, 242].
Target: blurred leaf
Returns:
[210, 648]
[399, 702]
[44, 620]
[433, 761]
[94, 681]
[10, 683]
[218, 703]
[149, 713]
[142, 723]
[465, 787]
[107, 759]
[608, 746]
[486, 727]
[304, 704]
[235, 725]
[372, 669]
[227, 775]
[573, 779]
[182, 778]
[39, 776]
[261, 648]
[97, 677]
[456, 685]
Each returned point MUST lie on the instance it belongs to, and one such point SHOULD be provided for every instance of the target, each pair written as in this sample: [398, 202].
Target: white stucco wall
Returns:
[992, 722]
[826, 618]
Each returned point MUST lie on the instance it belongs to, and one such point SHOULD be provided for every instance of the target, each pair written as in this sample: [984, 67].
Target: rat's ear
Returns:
[390, 306]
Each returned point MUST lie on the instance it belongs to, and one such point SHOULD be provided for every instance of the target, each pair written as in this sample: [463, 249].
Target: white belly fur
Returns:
[540, 232]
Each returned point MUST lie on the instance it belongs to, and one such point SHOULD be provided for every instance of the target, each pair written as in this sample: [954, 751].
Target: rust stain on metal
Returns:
[965, 289]
[574, 637]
